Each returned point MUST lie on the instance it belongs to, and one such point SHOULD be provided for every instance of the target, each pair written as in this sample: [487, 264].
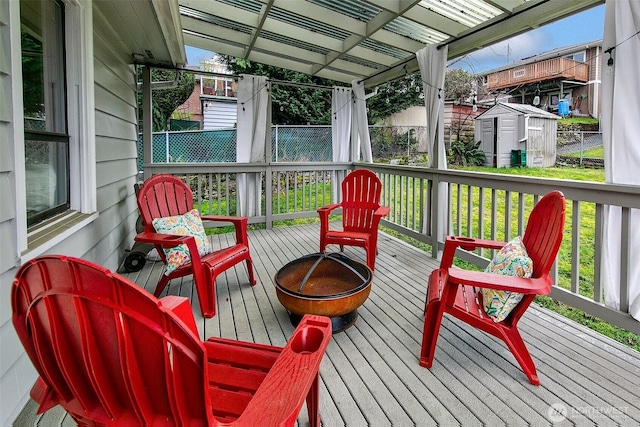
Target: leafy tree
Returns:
[165, 101]
[458, 84]
[290, 104]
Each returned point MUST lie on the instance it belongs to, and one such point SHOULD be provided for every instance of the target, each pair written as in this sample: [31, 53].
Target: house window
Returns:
[577, 56]
[519, 73]
[45, 109]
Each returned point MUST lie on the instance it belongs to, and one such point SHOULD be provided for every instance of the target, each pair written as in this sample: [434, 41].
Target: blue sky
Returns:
[584, 27]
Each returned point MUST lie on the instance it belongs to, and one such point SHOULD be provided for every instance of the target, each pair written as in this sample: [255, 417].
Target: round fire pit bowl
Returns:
[331, 285]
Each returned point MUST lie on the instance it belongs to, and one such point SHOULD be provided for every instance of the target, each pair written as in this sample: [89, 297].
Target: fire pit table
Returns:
[331, 285]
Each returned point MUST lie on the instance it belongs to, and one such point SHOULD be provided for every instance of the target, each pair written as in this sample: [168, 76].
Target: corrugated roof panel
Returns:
[408, 28]
[293, 42]
[216, 39]
[466, 12]
[249, 5]
[216, 20]
[352, 8]
[307, 23]
[384, 48]
[360, 61]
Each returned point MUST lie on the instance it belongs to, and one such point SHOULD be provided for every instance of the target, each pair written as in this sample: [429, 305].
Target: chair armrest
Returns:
[382, 211]
[452, 243]
[172, 240]
[326, 209]
[281, 395]
[164, 240]
[537, 286]
[182, 308]
[239, 222]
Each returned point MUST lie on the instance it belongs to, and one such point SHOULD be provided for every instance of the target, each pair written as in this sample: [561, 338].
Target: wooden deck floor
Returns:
[370, 373]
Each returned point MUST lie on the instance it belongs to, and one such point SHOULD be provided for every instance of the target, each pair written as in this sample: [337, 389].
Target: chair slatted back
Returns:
[105, 346]
[543, 234]
[163, 195]
[361, 191]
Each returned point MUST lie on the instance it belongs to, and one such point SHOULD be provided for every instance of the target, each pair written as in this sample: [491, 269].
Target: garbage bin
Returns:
[518, 158]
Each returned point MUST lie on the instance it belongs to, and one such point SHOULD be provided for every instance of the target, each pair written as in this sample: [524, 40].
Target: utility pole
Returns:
[508, 53]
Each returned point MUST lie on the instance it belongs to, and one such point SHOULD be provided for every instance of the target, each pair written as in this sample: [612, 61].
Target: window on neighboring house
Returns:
[578, 56]
[46, 135]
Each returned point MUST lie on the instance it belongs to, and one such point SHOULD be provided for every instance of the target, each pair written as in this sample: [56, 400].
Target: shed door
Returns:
[488, 145]
[507, 139]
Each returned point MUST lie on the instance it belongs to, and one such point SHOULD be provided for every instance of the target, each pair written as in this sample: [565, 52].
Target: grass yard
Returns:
[592, 153]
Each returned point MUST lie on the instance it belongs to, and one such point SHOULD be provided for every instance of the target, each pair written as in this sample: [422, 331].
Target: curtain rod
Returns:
[455, 39]
[298, 84]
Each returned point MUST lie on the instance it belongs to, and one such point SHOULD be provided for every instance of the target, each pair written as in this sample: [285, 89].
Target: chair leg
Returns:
[161, 285]
[432, 322]
[513, 340]
[433, 312]
[252, 278]
[371, 258]
[207, 294]
[313, 404]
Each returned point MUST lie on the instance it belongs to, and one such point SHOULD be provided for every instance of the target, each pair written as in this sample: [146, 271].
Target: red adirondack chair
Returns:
[456, 291]
[361, 214]
[112, 354]
[165, 195]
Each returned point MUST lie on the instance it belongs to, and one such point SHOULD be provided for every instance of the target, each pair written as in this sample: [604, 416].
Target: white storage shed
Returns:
[517, 135]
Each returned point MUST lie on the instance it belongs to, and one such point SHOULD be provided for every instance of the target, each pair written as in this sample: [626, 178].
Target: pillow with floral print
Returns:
[511, 260]
[189, 224]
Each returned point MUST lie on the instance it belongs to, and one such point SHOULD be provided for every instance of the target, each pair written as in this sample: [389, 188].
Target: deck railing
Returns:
[555, 68]
[474, 204]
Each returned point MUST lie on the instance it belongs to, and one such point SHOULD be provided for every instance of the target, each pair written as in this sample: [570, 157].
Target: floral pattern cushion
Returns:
[189, 224]
[511, 260]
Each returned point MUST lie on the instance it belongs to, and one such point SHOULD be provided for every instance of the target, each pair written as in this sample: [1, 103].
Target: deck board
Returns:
[370, 374]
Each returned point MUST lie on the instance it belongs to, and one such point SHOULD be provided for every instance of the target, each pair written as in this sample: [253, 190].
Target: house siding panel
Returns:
[9, 360]
[103, 240]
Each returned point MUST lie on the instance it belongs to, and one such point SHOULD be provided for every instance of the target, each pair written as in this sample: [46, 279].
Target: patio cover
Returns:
[254, 122]
[621, 130]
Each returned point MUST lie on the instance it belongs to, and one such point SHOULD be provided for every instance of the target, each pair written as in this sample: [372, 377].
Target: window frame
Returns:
[80, 103]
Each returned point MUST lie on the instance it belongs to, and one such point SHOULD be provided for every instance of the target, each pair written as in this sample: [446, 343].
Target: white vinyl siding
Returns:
[106, 197]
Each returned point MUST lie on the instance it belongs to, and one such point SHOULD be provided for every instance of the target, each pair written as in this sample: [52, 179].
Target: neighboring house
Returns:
[517, 135]
[570, 73]
[213, 101]
[191, 109]
[79, 164]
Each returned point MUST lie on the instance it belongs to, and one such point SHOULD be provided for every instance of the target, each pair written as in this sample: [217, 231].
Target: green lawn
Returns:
[592, 153]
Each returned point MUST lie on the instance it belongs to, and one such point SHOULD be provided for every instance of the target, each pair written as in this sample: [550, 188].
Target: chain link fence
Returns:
[580, 148]
[289, 144]
[398, 144]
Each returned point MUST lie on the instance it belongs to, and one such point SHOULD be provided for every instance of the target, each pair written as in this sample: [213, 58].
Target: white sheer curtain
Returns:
[253, 128]
[341, 110]
[433, 63]
[621, 136]
[360, 139]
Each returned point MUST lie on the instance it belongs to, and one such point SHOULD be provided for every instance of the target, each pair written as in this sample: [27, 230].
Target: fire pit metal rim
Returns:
[334, 256]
